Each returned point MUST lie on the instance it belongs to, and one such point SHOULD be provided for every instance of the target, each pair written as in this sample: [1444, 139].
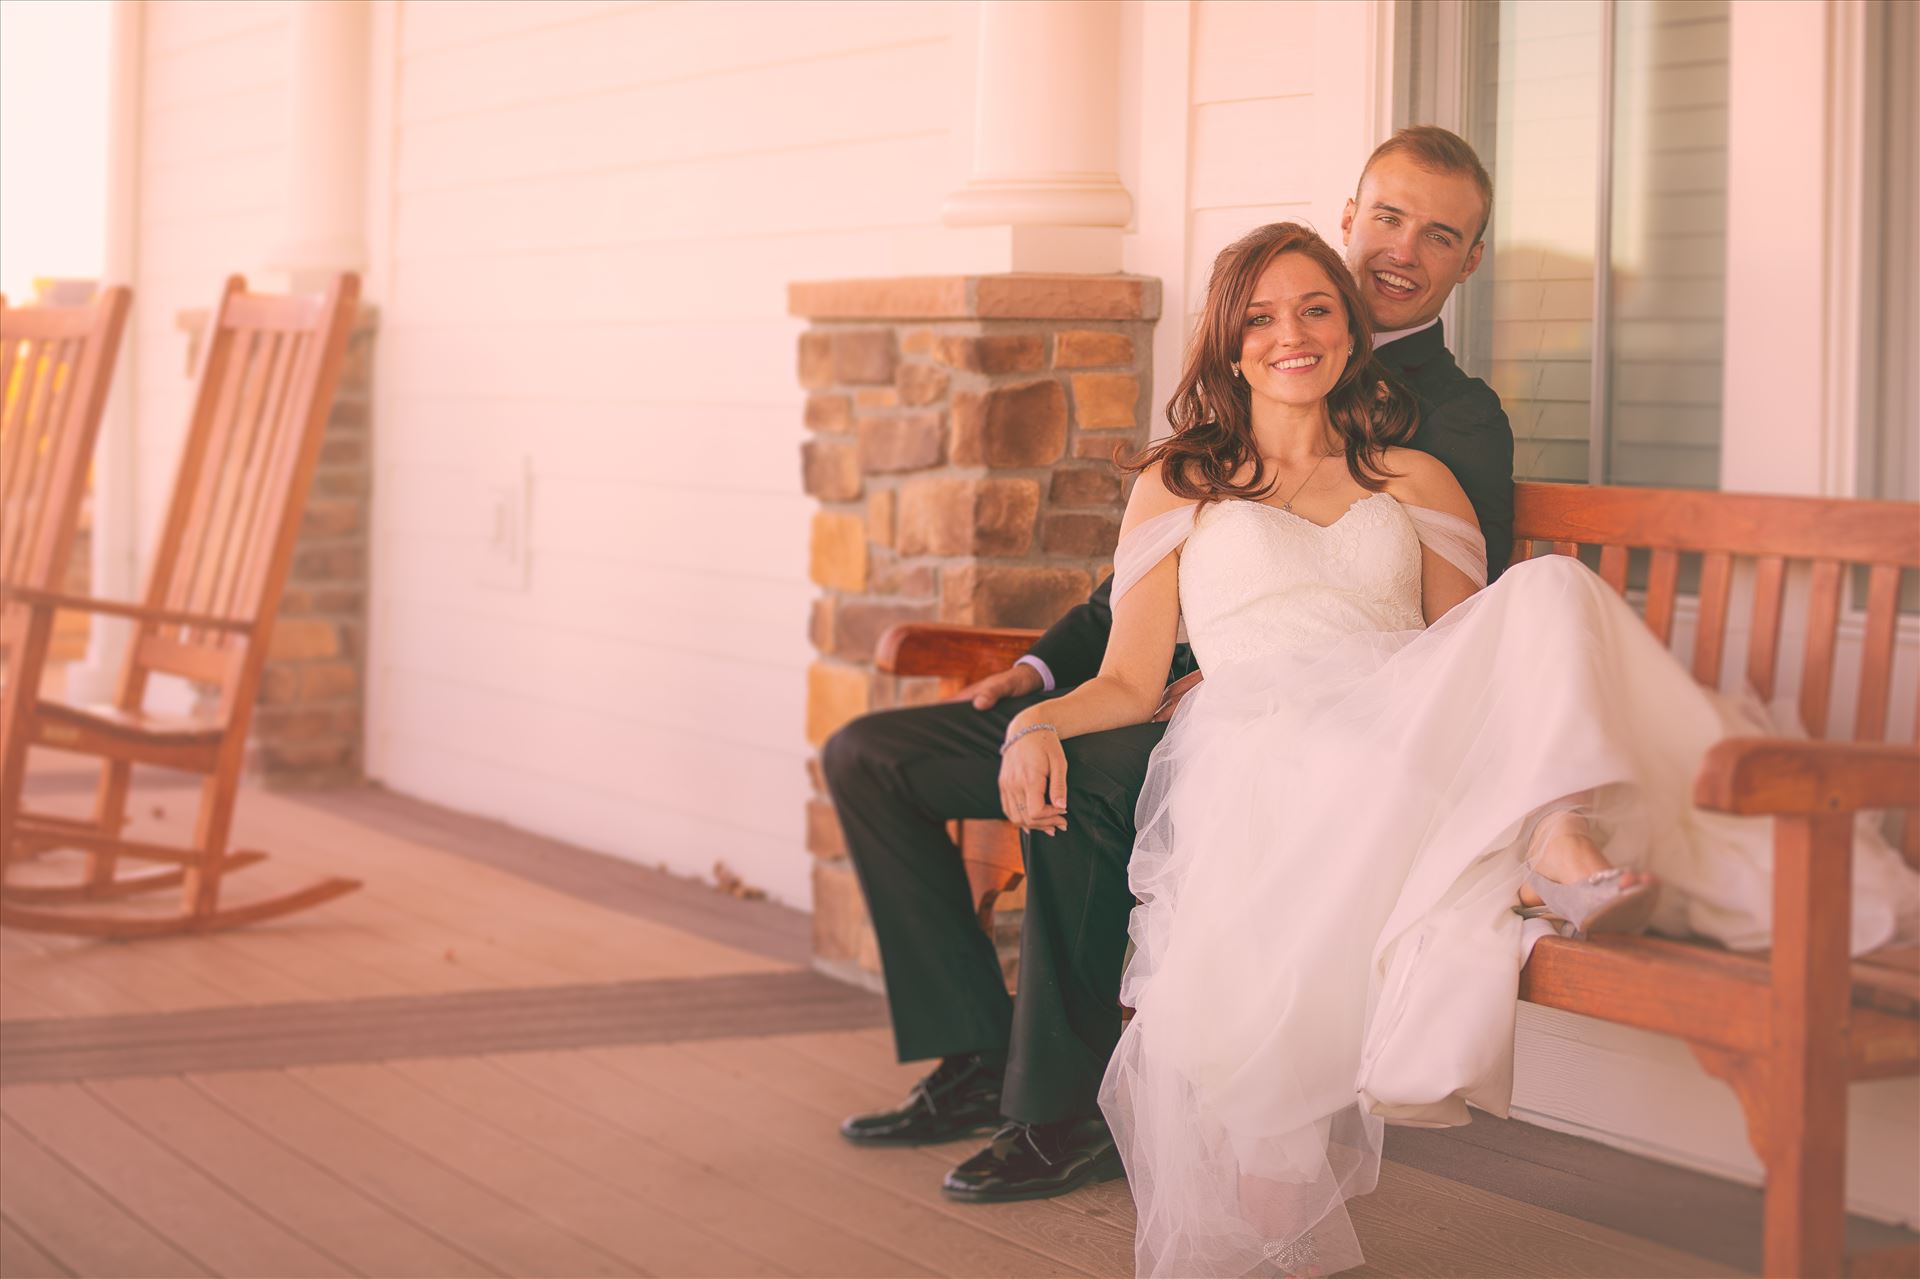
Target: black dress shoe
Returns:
[1037, 1161]
[959, 1099]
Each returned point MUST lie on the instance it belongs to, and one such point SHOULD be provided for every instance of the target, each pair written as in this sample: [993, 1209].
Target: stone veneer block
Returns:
[816, 360]
[1012, 353]
[1019, 296]
[824, 836]
[864, 356]
[1022, 425]
[982, 413]
[1105, 400]
[907, 442]
[880, 515]
[837, 551]
[835, 694]
[859, 624]
[829, 412]
[842, 934]
[830, 470]
[1084, 486]
[1091, 348]
[922, 384]
[993, 595]
[1080, 533]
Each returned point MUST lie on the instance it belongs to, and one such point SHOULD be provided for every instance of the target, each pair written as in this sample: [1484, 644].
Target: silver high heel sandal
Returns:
[1596, 904]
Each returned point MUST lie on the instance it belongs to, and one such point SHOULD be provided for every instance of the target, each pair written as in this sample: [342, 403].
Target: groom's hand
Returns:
[1015, 681]
[1175, 691]
[1033, 783]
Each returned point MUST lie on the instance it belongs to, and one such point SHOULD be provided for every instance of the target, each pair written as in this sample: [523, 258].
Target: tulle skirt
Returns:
[1330, 844]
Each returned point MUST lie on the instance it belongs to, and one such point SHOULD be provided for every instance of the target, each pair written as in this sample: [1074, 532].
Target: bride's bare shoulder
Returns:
[1151, 498]
[1420, 479]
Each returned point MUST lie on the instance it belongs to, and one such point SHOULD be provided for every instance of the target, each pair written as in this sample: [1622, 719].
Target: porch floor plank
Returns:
[584, 1207]
[1397, 1223]
[500, 1233]
[726, 1122]
[428, 921]
[593, 1069]
[208, 976]
[696, 1211]
[174, 1198]
[720, 1076]
[811, 1245]
[283, 1184]
[72, 1220]
[22, 1258]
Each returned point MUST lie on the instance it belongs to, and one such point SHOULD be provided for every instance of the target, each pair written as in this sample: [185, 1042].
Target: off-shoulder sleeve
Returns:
[1148, 544]
[1453, 539]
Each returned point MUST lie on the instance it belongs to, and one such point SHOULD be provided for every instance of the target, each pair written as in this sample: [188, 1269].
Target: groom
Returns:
[1031, 1066]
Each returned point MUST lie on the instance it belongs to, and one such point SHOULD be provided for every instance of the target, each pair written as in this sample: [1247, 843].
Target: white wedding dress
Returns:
[1331, 837]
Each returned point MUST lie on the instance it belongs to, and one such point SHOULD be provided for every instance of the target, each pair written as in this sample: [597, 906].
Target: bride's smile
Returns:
[1294, 345]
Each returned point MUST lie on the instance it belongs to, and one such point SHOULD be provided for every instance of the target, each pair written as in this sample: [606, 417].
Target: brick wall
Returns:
[960, 436]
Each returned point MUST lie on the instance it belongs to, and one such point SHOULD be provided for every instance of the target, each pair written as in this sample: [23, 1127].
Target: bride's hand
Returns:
[1033, 782]
[1175, 691]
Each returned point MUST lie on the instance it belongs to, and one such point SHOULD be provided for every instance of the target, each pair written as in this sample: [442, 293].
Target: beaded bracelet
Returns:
[1031, 728]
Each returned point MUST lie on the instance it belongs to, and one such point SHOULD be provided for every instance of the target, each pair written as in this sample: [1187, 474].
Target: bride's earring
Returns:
[1236, 368]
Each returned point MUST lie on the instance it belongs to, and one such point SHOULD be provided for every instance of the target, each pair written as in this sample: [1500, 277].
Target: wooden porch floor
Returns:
[507, 1057]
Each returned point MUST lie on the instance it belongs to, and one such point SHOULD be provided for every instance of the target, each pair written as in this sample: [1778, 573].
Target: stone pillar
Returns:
[308, 728]
[961, 432]
[1047, 136]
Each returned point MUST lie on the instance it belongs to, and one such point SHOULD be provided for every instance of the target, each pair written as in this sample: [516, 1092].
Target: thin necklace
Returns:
[1287, 505]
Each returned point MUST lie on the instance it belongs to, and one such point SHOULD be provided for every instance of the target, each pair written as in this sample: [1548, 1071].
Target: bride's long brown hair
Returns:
[1212, 411]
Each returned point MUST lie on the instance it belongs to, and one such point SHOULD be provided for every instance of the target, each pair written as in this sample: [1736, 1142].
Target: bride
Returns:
[1384, 768]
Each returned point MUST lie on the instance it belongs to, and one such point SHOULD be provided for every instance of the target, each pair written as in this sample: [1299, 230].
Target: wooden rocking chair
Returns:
[55, 365]
[267, 384]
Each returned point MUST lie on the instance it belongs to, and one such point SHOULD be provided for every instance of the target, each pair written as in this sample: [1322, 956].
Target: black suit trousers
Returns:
[897, 777]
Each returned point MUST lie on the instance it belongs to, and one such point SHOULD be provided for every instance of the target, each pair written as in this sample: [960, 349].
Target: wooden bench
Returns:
[1788, 1030]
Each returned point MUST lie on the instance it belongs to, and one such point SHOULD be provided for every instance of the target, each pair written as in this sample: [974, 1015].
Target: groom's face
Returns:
[1411, 235]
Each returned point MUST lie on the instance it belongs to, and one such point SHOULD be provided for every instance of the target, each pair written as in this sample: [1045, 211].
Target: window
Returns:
[1597, 314]
[1890, 399]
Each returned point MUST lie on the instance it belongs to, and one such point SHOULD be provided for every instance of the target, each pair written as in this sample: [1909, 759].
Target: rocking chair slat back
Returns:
[265, 391]
[55, 365]
[252, 444]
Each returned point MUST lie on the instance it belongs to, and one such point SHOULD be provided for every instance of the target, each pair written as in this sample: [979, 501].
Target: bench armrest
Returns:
[115, 608]
[964, 653]
[1788, 776]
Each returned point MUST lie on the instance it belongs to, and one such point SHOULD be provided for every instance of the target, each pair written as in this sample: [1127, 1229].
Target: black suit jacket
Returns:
[1461, 423]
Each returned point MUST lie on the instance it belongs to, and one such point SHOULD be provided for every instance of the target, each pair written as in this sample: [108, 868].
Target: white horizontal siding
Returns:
[213, 124]
[1252, 138]
[596, 210]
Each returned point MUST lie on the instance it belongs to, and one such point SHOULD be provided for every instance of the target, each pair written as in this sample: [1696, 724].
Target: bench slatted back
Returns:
[1774, 534]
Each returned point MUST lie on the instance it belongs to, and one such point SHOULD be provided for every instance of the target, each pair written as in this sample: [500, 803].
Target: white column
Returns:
[1047, 136]
[114, 553]
[326, 141]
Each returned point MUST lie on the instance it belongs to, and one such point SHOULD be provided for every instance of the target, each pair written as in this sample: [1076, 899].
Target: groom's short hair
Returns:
[1440, 151]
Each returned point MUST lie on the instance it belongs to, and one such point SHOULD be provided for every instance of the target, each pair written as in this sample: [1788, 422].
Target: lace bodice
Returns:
[1256, 580]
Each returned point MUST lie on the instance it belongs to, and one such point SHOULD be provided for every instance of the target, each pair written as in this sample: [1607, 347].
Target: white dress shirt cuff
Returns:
[1046, 675]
